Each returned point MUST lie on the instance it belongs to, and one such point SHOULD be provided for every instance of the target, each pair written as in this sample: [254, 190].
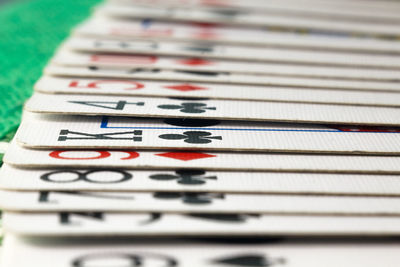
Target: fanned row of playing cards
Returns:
[212, 133]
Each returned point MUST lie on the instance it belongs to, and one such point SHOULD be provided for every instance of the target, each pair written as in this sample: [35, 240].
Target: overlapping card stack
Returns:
[270, 128]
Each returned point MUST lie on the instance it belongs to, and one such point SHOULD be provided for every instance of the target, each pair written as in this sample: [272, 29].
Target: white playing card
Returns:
[130, 159]
[74, 59]
[196, 180]
[104, 27]
[160, 224]
[156, 74]
[58, 131]
[179, 14]
[59, 85]
[48, 252]
[368, 11]
[220, 51]
[197, 202]
[212, 109]
[99, 26]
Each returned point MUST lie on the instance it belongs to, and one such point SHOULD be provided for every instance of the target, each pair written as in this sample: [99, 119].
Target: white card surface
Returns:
[355, 10]
[59, 85]
[69, 58]
[211, 51]
[164, 224]
[131, 159]
[247, 19]
[58, 131]
[197, 202]
[196, 180]
[155, 74]
[151, 107]
[127, 252]
[99, 26]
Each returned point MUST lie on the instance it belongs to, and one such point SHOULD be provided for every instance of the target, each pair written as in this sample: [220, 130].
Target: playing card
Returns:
[69, 58]
[100, 26]
[212, 109]
[45, 252]
[195, 180]
[197, 202]
[220, 51]
[172, 160]
[59, 85]
[260, 123]
[160, 224]
[355, 10]
[60, 131]
[155, 74]
[246, 18]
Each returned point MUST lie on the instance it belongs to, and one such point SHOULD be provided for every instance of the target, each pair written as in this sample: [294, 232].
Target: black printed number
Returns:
[103, 176]
[119, 105]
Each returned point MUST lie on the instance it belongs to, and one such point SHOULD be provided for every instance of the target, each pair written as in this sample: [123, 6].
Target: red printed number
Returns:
[97, 84]
[141, 32]
[133, 59]
[58, 154]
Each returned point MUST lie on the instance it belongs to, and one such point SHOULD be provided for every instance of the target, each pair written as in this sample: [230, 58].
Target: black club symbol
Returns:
[185, 177]
[220, 217]
[191, 107]
[199, 48]
[189, 198]
[192, 137]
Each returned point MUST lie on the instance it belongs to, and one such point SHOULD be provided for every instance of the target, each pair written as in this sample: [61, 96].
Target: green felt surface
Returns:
[30, 31]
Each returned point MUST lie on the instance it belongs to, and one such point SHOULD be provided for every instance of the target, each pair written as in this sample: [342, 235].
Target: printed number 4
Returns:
[120, 105]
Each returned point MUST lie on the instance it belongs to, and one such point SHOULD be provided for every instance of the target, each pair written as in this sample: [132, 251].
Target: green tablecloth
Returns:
[30, 31]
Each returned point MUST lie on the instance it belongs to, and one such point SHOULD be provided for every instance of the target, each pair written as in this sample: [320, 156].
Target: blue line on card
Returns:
[104, 125]
[146, 23]
[104, 122]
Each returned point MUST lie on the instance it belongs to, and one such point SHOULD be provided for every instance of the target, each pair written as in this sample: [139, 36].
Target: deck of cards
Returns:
[213, 133]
